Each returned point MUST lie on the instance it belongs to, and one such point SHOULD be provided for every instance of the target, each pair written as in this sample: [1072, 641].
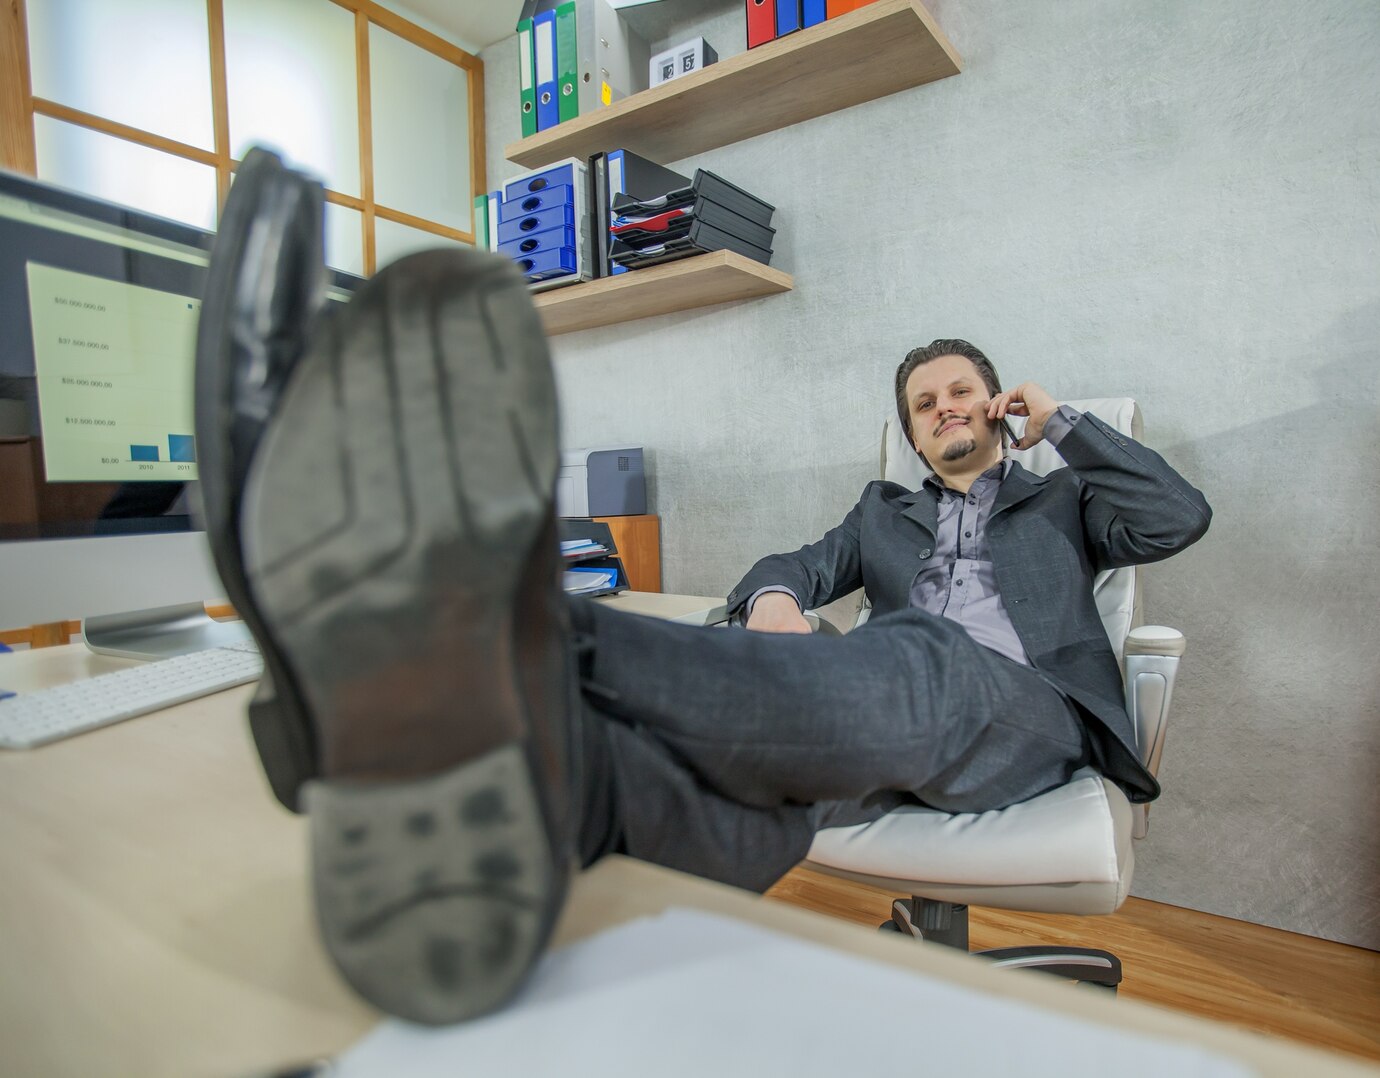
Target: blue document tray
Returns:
[541, 265]
[539, 242]
[561, 175]
[546, 199]
[541, 221]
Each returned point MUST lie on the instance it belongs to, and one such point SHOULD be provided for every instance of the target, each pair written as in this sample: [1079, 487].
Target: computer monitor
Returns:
[99, 507]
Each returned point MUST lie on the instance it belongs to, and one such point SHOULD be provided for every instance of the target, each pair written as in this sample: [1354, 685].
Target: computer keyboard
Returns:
[35, 718]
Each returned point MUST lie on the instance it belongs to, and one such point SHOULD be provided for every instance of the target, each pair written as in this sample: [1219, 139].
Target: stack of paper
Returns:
[572, 548]
[710, 214]
[582, 580]
[690, 993]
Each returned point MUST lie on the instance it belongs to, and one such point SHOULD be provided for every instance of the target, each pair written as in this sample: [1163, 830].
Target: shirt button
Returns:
[972, 501]
[967, 535]
[925, 553]
[958, 583]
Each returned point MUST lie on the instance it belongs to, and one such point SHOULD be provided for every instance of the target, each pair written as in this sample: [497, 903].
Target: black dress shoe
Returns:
[264, 297]
[398, 554]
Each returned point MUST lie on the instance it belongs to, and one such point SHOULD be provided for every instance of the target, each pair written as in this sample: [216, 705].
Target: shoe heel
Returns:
[435, 895]
[279, 740]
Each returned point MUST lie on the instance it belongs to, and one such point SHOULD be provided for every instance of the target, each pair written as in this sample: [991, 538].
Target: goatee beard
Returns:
[959, 450]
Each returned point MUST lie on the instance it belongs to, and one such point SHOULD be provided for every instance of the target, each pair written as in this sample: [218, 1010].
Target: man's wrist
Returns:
[1059, 423]
[770, 589]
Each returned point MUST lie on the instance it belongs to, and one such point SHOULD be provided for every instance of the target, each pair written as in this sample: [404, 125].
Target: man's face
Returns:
[948, 410]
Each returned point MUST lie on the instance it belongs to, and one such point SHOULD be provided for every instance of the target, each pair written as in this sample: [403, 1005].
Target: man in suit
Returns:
[984, 675]
[1003, 555]
[379, 499]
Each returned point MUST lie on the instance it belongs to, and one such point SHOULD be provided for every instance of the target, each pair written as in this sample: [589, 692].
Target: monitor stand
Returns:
[160, 633]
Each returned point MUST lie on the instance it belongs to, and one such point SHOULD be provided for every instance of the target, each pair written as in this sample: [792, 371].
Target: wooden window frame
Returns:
[18, 107]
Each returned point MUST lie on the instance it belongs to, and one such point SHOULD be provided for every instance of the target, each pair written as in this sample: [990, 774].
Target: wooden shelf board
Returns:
[698, 281]
[881, 49]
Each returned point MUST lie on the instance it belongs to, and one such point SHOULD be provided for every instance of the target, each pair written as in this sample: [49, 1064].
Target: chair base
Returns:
[946, 923]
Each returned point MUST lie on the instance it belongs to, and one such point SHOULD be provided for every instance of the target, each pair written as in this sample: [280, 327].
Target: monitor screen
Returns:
[98, 318]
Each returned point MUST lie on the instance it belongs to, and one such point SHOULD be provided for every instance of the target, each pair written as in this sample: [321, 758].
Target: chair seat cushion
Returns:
[1077, 833]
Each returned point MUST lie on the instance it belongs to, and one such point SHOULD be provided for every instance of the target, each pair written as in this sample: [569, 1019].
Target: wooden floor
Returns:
[1325, 994]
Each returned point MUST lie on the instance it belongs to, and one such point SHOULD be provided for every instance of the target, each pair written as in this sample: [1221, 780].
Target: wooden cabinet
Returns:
[638, 540]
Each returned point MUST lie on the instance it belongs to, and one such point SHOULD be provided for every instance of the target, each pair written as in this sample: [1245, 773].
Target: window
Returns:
[151, 103]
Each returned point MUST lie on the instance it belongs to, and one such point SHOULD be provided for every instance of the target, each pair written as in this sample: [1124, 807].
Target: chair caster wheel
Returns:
[1104, 989]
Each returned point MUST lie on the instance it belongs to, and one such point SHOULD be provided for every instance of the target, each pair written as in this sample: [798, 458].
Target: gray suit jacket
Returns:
[1116, 504]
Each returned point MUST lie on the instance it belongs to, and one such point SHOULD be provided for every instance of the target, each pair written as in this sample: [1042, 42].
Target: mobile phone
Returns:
[1006, 426]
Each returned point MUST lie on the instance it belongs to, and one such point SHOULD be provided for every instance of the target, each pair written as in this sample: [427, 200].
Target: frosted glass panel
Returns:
[344, 239]
[392, 241]
[291, 73]
[421, 121]
[124, 172]
[145, 63]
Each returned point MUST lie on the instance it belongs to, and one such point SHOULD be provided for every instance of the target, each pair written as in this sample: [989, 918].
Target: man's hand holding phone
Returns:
[1027, 399]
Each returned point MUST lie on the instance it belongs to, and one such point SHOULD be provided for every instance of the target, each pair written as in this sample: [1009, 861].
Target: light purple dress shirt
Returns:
[958, 581]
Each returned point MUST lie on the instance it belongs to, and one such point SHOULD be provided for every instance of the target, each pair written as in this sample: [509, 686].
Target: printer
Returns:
[604, 481]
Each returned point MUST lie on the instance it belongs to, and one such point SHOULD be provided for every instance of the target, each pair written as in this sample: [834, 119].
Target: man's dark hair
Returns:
[946, 347]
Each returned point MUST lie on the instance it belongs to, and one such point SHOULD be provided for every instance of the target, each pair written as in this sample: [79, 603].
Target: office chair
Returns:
[1066, 851]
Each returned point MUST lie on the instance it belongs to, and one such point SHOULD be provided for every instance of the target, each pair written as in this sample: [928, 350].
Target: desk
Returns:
[689, 609]
[156, 917]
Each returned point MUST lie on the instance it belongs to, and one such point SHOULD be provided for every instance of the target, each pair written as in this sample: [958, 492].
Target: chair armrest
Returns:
[715, 615]
[719, 614]
[1155, 640]
[821, 625]
[1152, 663]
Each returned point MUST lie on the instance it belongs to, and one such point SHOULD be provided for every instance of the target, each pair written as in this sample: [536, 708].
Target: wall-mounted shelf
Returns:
[699, 281]
[886, 47]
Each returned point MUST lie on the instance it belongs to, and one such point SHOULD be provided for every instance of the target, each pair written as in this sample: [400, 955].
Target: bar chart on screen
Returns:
[114, 364]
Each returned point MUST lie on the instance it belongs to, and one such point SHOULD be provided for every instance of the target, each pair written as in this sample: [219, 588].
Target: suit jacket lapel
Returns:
[922, 507]
[1018, 485]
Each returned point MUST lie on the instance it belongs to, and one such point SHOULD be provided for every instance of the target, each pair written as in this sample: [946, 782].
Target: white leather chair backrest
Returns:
[1115, 591]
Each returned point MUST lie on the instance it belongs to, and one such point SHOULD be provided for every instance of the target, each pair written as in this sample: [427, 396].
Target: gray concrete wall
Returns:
[1175, 200]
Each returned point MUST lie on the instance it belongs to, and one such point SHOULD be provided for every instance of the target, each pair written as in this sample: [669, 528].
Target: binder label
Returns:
[546, 52]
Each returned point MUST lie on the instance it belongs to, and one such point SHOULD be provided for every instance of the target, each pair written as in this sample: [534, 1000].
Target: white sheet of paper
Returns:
[576, 582]
[691, 993]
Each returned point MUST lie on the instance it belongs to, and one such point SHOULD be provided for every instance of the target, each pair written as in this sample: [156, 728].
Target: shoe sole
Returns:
[384, 564]
[434, 896]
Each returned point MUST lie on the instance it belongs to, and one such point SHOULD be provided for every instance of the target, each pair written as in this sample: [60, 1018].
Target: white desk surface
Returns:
[693, 609]
[155, 914]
